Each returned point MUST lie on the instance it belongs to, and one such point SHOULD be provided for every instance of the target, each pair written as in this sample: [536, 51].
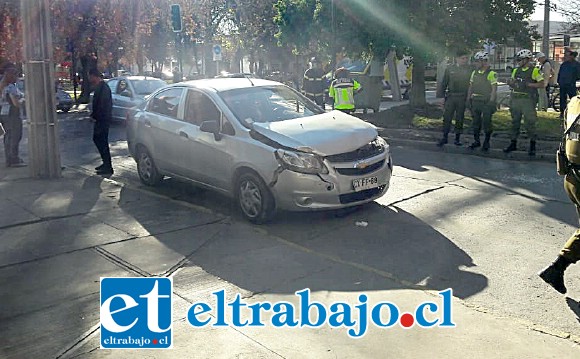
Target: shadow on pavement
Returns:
[574, 306]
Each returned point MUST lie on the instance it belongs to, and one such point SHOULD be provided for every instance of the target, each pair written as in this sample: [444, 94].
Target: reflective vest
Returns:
[342, 90]
[525, 76]
[573, 136]
[481, 83]
[313, 83]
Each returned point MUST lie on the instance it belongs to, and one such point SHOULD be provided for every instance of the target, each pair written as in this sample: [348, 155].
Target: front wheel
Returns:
[148, 173]
[254, 199]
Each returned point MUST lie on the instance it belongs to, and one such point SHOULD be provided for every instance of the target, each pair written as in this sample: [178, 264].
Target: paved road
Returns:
[481, 226]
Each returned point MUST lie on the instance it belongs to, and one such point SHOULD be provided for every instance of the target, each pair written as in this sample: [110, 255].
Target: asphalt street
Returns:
[489, 225]
[481, 226]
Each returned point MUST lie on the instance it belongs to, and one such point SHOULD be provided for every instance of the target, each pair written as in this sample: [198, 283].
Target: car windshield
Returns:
[146, 87]
[268, 104]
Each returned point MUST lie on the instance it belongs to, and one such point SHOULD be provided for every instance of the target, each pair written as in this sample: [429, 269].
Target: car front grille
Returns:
[367, 151]
[360, 196]
[360, 171]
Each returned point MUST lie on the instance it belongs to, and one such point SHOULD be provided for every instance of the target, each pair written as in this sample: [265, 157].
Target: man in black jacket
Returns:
[102, 114]
[568, 74]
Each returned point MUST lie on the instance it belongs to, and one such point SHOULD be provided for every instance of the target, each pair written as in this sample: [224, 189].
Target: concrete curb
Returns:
[426, 141]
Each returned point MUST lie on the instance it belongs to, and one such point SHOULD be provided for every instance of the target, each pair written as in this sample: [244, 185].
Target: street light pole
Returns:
[43, 141]
[546, 32]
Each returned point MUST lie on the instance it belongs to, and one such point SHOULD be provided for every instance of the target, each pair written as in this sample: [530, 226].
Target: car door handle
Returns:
[147, 123]
[183, 134]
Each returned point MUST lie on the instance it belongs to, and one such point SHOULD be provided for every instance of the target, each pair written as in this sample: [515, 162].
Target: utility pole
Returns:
[43, 140]
[546, 32]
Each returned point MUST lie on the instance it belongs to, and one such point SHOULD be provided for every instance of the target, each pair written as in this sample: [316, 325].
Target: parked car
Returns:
[130, 91]
[260, 142]
[64, 102]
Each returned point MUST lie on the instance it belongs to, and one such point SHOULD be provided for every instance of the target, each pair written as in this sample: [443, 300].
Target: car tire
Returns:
[66, 109]
[148, 172]
[254, 198]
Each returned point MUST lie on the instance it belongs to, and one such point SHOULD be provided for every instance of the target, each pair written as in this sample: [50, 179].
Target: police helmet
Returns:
[481, 56]
[524, 54]
[341, 72]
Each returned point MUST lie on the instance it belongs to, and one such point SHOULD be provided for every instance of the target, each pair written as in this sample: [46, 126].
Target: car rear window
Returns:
[146, 87]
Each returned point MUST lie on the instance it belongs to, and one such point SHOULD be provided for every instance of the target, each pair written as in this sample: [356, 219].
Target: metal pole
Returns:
[43, 139]
[546, 32]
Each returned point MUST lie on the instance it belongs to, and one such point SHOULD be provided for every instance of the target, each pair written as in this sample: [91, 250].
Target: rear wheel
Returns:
[148, 173]
[254, 198]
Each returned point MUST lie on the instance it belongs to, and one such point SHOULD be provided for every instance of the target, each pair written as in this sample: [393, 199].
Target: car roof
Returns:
[225, 84]
[136, 78]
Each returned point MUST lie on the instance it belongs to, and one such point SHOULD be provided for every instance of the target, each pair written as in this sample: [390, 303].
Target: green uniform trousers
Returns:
[571, 250]
[482, 111]
[526, 107]
[454, 106]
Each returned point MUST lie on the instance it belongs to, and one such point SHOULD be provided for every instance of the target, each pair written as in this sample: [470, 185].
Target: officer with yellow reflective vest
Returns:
[482, 95]
[525, 81]
[568, 162]
[313, 85]
[342, 90]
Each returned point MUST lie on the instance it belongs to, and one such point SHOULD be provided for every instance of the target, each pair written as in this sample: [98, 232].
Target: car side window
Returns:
[113, 85]
[166, 102]
[122, 88]
[199, 107]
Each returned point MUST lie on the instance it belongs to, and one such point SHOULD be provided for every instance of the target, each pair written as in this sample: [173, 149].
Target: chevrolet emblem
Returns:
[361, 165]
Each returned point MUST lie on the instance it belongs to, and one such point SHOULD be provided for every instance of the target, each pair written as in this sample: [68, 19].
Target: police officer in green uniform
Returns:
[554, 273]
[313, 83]
[482, 95]
[342, 90]
[525, 81]
[455, 84]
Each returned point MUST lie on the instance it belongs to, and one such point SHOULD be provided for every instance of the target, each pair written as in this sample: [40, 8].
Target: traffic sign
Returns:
[217, 52]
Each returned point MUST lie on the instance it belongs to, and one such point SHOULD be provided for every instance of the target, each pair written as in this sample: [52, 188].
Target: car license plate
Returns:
[365, 183]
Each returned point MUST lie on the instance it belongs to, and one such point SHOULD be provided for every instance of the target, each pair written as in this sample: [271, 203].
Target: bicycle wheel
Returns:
[555, 100]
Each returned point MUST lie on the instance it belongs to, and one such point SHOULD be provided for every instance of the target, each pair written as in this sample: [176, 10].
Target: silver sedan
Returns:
[130, 91]
[260, 142]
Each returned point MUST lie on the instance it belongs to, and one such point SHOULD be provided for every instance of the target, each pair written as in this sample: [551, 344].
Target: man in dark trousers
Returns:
[102, 114]
[568, 74]
[455, 84]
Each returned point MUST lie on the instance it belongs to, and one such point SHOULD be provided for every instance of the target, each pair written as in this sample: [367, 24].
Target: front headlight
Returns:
[379, 142]
[301, 162]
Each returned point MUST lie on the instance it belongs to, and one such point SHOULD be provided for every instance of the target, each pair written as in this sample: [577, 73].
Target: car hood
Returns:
[325, 134]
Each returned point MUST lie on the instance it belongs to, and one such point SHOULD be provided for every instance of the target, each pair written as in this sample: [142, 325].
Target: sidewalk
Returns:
[427, 140]
[58, 237]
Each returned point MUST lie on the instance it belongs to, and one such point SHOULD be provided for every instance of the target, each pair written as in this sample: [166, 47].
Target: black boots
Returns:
[554, 274]
[512, 147]
[485, 146]
[532, 151]
[475, 143]
[442, 141]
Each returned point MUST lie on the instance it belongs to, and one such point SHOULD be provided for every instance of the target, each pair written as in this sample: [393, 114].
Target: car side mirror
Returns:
[211, 127]
[126, 93]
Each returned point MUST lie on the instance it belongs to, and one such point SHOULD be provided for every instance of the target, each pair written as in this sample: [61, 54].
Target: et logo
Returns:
[136, 313]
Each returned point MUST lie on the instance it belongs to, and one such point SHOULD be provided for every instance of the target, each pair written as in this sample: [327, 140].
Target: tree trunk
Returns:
[418, 83]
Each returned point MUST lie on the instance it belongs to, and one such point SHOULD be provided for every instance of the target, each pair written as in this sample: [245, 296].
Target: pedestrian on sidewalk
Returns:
[570, 253]
[455, 85]
[102, 114]
[11, 99]
[342, 90]
[568, 74]
[548, 72]
[482, 95]
[525, 81]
